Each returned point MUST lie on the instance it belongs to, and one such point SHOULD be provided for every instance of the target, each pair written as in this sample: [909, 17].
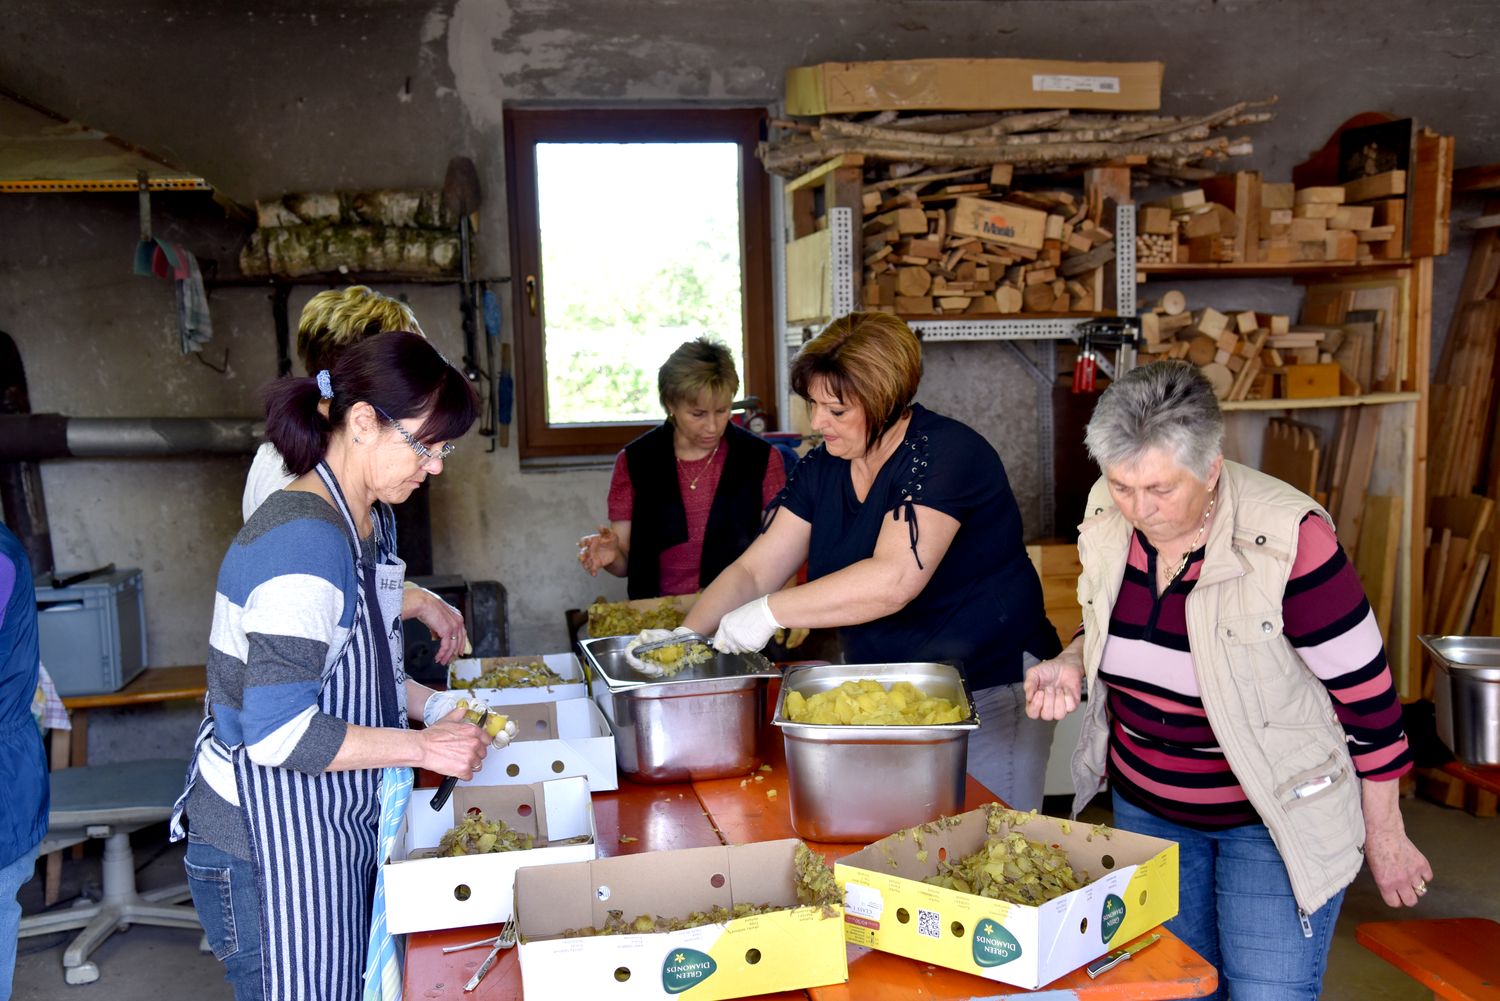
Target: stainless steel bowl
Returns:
[861, 783]
[703, 723]
[1467, 695]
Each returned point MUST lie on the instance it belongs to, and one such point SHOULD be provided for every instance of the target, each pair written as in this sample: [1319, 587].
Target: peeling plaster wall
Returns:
[382, 93]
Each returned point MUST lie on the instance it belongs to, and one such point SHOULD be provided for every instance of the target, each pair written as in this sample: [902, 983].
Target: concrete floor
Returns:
[149, 964]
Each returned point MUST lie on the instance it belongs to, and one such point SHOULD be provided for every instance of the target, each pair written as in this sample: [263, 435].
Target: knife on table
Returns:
[1113, 959]
[445, 789]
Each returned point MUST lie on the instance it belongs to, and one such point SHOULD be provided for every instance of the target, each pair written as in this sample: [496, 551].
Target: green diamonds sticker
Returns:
[1112, 917]
[686, 968]
[994, 945]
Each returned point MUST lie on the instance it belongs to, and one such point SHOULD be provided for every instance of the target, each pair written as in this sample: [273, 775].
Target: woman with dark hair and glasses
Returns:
[306, 729]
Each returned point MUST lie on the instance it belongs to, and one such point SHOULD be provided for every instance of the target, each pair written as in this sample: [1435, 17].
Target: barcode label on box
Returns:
[1064, 83]
[928, 924]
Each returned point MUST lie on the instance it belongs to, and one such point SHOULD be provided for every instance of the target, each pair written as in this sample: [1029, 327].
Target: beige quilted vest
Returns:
[1272, 717]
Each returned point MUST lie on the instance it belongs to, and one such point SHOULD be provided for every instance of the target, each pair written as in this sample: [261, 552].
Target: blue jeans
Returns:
[227, 899]
[1008, 753]
[1236, 909]
[12, 878]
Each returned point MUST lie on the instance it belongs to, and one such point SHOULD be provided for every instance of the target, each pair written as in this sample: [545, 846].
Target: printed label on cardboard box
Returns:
[1112, 916]
[994, 945]
[686, 968]
[1066, 83]
[863, 906]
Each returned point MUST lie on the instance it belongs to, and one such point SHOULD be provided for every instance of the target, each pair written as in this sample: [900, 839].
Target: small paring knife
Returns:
[445, 789]
[1113, 959]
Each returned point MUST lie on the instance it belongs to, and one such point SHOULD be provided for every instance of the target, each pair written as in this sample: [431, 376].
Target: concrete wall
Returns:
[379, 93]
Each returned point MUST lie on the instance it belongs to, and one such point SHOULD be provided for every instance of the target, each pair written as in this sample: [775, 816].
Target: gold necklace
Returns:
[693, 483]
[1182, 564]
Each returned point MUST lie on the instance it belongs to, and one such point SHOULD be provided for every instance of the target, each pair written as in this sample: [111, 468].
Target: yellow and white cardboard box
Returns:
[783, 950]
[424, 893]
[553, 740]
[564, 665]
[1132, 888]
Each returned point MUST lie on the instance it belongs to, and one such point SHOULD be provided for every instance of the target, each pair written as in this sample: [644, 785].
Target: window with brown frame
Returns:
[631, 232]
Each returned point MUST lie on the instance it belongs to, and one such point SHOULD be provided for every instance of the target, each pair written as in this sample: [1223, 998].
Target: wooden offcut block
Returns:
[1308, 230]
[1305, 382]
[1333, 195]
[1278, 196]
[1352, 217]
[1156, 219]
[1391, 184]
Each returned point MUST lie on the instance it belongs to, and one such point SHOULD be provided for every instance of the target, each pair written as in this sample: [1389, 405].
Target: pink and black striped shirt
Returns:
[1163, 755]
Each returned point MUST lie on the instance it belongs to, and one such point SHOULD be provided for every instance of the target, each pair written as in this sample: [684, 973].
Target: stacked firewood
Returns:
[1260, 356]
[975, 246]
[381, 232]
[1029, 141]
[1237, 218]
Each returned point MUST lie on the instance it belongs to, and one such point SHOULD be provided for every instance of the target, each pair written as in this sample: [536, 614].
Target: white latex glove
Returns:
[646, 667]
[440, 704]
[748, 628]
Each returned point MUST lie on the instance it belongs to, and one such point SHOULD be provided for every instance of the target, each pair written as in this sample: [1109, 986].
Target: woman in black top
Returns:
[913, 543]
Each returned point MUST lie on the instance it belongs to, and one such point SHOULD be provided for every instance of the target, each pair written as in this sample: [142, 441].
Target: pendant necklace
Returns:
[693, 483]
[1182, 565]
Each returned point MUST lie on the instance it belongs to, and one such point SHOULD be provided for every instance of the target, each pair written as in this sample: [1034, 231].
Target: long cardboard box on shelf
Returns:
[424, 893]
[972, 85]
[781, 951]
[887, 906]
[564, 665]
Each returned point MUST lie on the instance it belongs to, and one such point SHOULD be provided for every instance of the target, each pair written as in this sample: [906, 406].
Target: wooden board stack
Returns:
[1237, 218]
[936, 244]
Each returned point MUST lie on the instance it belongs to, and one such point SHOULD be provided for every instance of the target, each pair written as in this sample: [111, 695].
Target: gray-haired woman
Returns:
[1239, 701]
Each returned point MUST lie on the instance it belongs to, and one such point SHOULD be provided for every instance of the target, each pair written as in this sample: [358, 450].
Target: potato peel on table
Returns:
[498, 673]
[816, 887]
[476, 836]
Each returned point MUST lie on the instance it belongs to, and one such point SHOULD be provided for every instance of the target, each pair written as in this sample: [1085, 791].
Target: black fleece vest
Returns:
[658, 520]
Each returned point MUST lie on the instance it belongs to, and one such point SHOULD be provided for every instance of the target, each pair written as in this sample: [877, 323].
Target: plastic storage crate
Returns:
[92, 635]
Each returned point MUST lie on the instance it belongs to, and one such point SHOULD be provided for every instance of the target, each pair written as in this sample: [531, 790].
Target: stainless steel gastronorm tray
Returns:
[861, 783]
[1466, 695]
[605, 657]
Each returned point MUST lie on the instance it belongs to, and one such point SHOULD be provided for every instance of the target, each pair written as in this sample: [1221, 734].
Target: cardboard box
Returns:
[999, 222]
[762, 954]
[424, 893]
[553, 740]
[564, 665]
[1133, 888]
[971, 85]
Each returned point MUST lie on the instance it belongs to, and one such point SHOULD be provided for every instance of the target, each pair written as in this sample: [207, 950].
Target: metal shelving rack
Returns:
[839, 184]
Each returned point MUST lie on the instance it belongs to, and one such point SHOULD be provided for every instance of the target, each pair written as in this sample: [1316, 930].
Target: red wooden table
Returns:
[722, 811]
[1456, 958]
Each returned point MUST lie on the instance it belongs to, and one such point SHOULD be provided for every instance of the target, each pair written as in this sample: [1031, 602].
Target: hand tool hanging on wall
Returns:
[461, 196]
[502, 385]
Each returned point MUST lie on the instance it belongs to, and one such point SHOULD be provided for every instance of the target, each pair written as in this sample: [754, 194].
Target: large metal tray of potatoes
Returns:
[855, 783]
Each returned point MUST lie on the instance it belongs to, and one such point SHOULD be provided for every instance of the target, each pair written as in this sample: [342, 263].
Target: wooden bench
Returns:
[1457, 958]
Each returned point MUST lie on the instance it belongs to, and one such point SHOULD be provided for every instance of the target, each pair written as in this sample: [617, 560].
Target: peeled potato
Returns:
[867, 702]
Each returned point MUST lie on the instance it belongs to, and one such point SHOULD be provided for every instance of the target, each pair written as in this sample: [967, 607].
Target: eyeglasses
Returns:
[426, 454]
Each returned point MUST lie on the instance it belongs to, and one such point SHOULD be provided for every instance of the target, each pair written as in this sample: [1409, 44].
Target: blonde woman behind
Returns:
[331, 322]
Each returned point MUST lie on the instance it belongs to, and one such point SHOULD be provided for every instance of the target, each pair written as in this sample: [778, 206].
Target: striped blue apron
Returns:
[314, 837]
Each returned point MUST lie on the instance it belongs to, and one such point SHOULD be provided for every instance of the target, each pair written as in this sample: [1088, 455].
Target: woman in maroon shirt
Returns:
[686, 497]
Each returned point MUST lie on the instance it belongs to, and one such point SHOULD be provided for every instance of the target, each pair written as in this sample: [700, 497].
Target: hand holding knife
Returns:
[445, 789]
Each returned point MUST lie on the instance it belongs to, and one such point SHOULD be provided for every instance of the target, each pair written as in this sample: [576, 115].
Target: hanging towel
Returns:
[170, 260]
[383, 959]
